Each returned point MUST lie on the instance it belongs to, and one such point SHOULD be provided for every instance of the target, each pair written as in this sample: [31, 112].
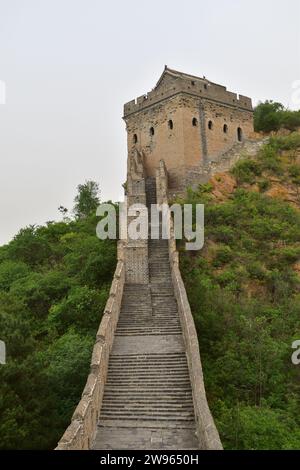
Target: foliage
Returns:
[244, 294]
[54, 282]
[278, 158]
[246, 170]
[269, 160]
[287, 142]
[271, 116]
[264, 185]
[87, 199]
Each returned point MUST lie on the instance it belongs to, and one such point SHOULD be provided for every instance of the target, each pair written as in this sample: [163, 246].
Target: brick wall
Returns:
[191, 103]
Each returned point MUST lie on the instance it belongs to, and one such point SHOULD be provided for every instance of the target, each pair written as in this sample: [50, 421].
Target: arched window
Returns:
[194, 122]
[135, 139]
[225, 128]
[210, 125]
[151, 130]
[239, 134]
[170, 124]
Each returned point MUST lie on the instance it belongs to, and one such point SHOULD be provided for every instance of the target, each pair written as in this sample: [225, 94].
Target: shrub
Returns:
[224, 234]
[223, 255]
[264, 185]
[228, 276]
[270, 116]
[39, 291]
[53, 288]
[270, 160]
[31, 248]
[294, 171]
[287, 142]
[82, 309]
[10, 271]
[245, 171]
[290, 119]
[287, 255]
[259, 428]
[267, 117]
[246, 329]
[256, 270]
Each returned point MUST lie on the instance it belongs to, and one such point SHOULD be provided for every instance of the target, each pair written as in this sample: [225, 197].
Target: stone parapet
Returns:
[183, 83]
[136, 251]
[206, 430]
[80, 433]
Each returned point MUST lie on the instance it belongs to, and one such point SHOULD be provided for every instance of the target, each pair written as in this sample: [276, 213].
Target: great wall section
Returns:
[146, 388]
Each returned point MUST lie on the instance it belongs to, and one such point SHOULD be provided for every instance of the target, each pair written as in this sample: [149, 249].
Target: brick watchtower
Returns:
[188, 122]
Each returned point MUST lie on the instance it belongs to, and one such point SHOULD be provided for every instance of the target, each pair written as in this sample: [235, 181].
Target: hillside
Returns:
[54, 282]
[244, 292]
[243, 288]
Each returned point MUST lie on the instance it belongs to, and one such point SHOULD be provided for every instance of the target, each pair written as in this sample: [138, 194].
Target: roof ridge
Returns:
[178, 73]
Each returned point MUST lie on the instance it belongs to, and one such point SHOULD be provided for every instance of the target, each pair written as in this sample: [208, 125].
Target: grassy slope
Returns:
[244, 292]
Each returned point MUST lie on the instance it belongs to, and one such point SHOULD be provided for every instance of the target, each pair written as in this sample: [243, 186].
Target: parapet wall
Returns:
[205, 427]
[136, 251]
[206, 430]
[80, 433]
[188, 122]
[201, 88]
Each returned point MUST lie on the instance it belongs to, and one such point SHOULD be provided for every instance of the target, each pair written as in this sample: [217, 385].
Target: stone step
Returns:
[135, 366]
[137, 326]
[149, 372]
[149, 365]
[153, 320]
[149, 390]
[155, 408]
[148, 360]
[151, 416]
[150, 333]
[157, 312]
[154, 374]
[149, 379]
[146, 399]
[119, 365]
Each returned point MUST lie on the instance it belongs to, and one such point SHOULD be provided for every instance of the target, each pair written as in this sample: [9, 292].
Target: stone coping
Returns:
[206, 430]
[81, 432]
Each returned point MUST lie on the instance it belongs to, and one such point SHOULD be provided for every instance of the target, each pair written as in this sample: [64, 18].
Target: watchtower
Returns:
[188, 122]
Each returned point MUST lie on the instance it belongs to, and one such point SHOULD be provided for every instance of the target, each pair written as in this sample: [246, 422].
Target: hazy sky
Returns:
[70, 65]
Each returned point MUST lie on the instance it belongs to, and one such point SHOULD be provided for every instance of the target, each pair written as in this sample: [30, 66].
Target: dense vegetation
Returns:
[54, 282]
[244, 292]
[243, 289]
[271, 116]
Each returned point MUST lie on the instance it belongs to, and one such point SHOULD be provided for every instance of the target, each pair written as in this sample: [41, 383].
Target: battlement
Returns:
[172, 83]
[188, 121]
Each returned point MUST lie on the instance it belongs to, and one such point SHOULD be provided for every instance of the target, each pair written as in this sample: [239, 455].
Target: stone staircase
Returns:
[202, 173]
[148, 400]
[248, 148]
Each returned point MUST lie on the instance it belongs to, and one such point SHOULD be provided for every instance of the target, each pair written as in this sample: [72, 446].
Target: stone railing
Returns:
[80, 433]
[206, 430]
[161, 184]
[136, 251]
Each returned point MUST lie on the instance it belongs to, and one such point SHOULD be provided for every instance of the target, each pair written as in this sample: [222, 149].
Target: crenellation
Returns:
[188, 121]
[196, 86]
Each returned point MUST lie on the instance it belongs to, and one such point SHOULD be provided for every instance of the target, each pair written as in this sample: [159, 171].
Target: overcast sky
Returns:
[70, 65]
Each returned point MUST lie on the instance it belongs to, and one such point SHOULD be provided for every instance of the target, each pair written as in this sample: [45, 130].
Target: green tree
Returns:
[267, 116]
[271, 116]
[87, 199]
[54, 283]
